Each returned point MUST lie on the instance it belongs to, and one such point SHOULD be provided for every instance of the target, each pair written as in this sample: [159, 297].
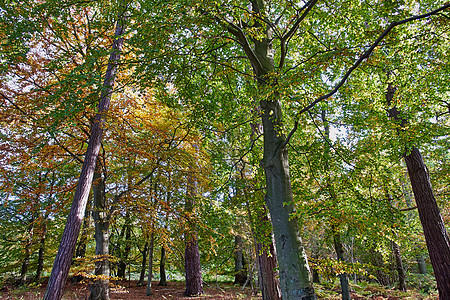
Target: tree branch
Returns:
[285, 39]
[407, 209]
[360, 60]
[368, 52]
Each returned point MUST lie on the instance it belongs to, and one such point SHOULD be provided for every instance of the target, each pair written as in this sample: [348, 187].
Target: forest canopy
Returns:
[284, 145]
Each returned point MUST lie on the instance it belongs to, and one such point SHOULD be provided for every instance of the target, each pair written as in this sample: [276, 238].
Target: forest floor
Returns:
[130, 291]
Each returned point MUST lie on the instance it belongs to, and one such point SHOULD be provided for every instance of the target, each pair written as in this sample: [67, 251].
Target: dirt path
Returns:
[130, 291]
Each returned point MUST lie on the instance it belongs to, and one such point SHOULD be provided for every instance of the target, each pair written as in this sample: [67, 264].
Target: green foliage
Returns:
[185, 81]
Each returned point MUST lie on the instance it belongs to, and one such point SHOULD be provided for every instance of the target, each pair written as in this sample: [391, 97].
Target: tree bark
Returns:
[267, 259]
[141, 281]
[399, 265]
[162, 268]
[61, 265]
[295, 276]
[436, 236]
[194, 284]
[193, 272]
[99, 288]
[270, 285]
[268, 277]
[150, 264]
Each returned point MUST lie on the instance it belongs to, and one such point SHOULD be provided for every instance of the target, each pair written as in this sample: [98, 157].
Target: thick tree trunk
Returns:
[162, 268]
[100, 286]
[40, 261]
[141, 281]
[268, 277]
[295, 276]
[150, 264]
[240, 273]
[436, 236]
[194, 284]
[61, 265]
[345, 288]
[399, 265]
[193, 272]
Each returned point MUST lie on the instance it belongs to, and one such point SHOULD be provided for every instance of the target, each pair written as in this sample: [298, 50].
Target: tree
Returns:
[68, 241]
[253, 32]
[194, 283]
[211, 69]
[436, 236]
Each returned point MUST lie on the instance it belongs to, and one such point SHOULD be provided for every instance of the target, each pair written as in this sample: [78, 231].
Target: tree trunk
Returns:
[125, 253]
[267, 261]
[61, 265]
[40, 261]
[99, 288]
[162, 268]
[150, 264]
[421, 265]
[433, 226]
[25, 263]
[194, 284]
[240, 273]
[27, 253]
[268, 277]
[436, 236]
[399, 264]
[315, 275]
[295, 276]
[270, 286]
[193, 272]
[141, 281]
[315, 256]
[345, 288]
